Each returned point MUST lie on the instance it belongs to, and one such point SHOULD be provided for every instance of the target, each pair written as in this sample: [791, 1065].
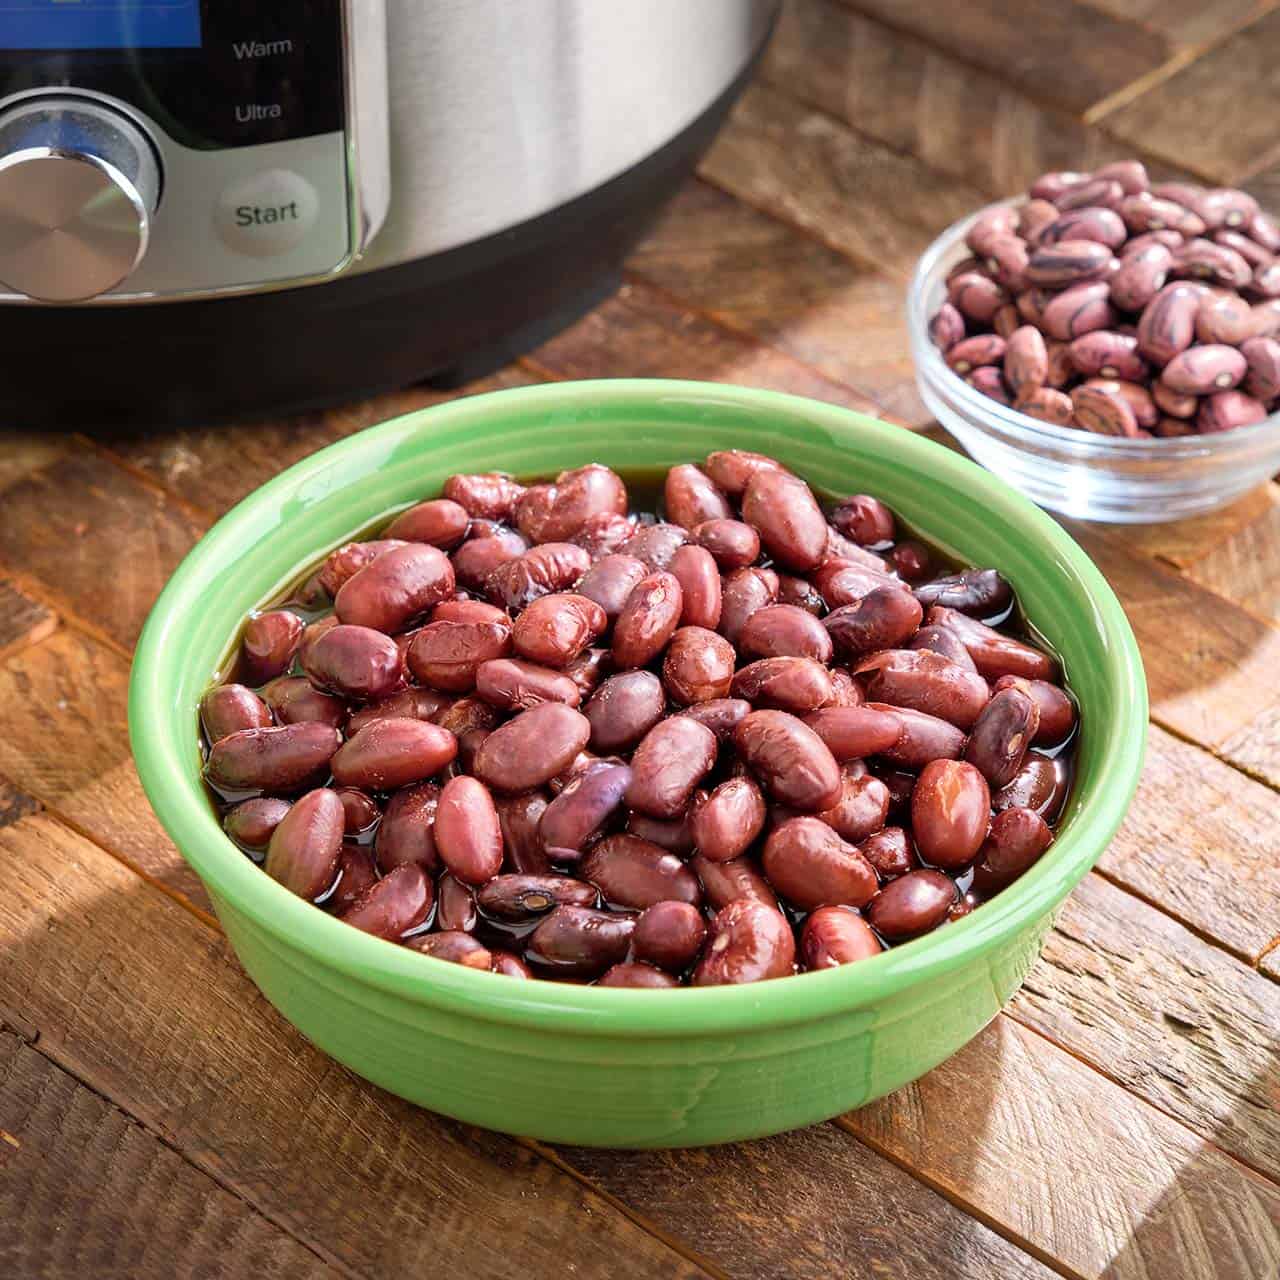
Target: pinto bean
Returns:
[792, 763]
[1202, 370]
[1168, 322]
[782, 509]
[749, 942]
[648, 621]
[975, 296]
[1074, 311]
[302, 853]
[1262, 357]
[698, 666]
[671, 759]
[834, 936]
[533, 748]
[946, 326]
[582, 809]
[1225, 410]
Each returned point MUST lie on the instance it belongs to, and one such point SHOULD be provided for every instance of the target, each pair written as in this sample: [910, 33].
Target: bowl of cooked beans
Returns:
[1108, 345]
[638, 763]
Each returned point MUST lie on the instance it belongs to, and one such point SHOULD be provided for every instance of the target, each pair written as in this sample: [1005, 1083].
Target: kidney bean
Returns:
[672, 758]
[861, 810]
[1202, 370]
[395, 589]
[655, 544]
[520, 817]
[800, 593]
[465, 716]
[1102, 409]
[792, 763]
[268, 645]
[302, 853]
[1262, 359]
[698, 666]
[865, 519]
[576, 497]
[994, 654]
[354, 662]
[467, 833]
[513, 685]
[921, 737]
[540, 571]
[610, 581]
[406, 834]
[782, 631]
[750, 942]
[582, 809]
[349, 559]
[356, 874]
[1075, 311]
[926, 681]
[532, 748]
[732, 544]
[691, 497]
[393, 906]
[1000, 738]
[311, 633]
[648, 620]
[852, 733]
[1167, 325]
[604, 535]
[726, 822]
[975, 296]
[633, 973]
[477, 558]
[624, 709]
[745, 591]
[359, 809]
[555, 629]
[725, 882]
[674, 835]
[521, 898]
[950, 810]
[811, 866]
[251, 822]
[782, 509]
[1040, 785]
[447, 654]
[942, 641]
[946, 327]
[721, 715]
[669, 935]
[228, 708]
[911, 905]
[508, 964]
[981, 593]
[455, 947]
[1056, 709]
[890, 852]
[883, 619]
[588, 669]
[283, 759]
[439, 521]
[842, 582]
[695, 570]
[1017, 839]
[731, 469]
[293, 700]
[1225, 410]
[491, 495]
[834, 936]
[580, 941]
[788, 684]
[393, 753]
[632, 873]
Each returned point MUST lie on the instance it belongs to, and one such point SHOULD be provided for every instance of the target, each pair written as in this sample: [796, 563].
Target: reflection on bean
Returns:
[950, 808]
[455, 947]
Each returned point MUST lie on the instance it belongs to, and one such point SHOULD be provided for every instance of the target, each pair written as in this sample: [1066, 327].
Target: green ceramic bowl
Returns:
[593, 1065]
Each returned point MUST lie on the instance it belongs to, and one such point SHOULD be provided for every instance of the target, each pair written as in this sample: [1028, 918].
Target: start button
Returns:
[267, 214]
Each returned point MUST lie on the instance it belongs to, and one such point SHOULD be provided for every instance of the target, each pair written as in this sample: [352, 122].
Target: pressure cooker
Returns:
[212, 208]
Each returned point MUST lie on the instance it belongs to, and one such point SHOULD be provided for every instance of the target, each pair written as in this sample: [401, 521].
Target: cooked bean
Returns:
[540, 571]
[520, 817]
[251, 822]
[397, 588]
[575, 497]
[466, 715]
[890, 852]
[782, 509]
[228, 708]
[349, 559]
[406, 834]
[695, 570]
[882, 619]
[669, 935]
[950, 809]
[520, 898]
[624, 709]
[947, 643]
[588, 669]
[655, 544]
[284, 759]
[294, 700]
[354, 662]
[477, 558]
[1057, 710]
[268, 644]
[674, 835]
[726, 821]
[1017, 839]
[725, 882]
[455, 905]
[861, 810]
[811, 866]
[648, 621]
[732, 544]
[852, 733]
[393, 753]
[356, 874]
[864, 519]
[514, 685]
[672, 758]
[580, 942]
[582, 809]
[749, 942]
[834, 936]
[797, 685]
[979, 592]
[491, 495]
[698, 666]
[532, 748]
[926, 681]
[632, 873]
[455, 947]
[783, 630]
[610, 581]
[359, 809]
[555, 629]
[691, 497]
[393, 906]
[745, 591]
[911, 905]
[633, 973]
[792, 763]
[302, 853]
[1000, 738]
[467, 832]
[447, 653]
[1040, 785]
[731, 469]
[509, 964]
[921, 737]
[800, 593]
[993, 653]
[439, 521]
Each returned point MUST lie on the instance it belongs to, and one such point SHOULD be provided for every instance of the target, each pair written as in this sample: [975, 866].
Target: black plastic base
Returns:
[449, 318]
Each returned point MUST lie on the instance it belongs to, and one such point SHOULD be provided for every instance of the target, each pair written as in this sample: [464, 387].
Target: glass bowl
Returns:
[1092, 477]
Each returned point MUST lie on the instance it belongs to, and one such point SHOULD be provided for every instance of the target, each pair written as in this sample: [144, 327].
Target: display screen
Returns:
[99, 24]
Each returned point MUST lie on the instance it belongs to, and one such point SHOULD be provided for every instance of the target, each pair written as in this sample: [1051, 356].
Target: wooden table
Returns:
[1122, 1118]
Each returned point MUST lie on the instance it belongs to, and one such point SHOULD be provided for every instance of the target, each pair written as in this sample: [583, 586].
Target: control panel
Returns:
[161, 149]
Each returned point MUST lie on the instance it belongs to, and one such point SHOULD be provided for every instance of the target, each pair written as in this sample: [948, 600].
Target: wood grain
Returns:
[64, 732]
[864, 200]
[815, 1203]
[98, 542]
[1172, 1019]
[14, 804]
[1187, 22]
[1255, 748]
[1210, 665]
[1270, 965]
[639, 333]
[1202, 842]
[1217, 114]
[23, 621]
[1024, 1135]
[1243, 566]
[917, 99]
[1069, 54]
[756, 274]
[85, 1191]
[22, 452]
[137, 998]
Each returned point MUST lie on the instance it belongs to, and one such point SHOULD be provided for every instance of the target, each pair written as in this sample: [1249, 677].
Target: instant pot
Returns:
[210, 208]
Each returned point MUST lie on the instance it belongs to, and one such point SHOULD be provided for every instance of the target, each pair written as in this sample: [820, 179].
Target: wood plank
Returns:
[1187, 22]
[213, 467]
[1202, 842]
[1027, 1137]
[64, 734]
[814, 1203]
[85, 1191]
[752, 273]
[141, 1001]
[1271, 963]
[1216, 115]
[22, 452]
[1245, 566]
[877, 206]
[23, 621]
[639, 333]
[1255, 748]
[1172, 1019]
[98, 542]
[15, 804]
[917, 99]
[1210, 665]
[1068, 54]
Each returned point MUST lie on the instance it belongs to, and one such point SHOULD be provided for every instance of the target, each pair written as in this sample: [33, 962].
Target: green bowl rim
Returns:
[165, 767]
